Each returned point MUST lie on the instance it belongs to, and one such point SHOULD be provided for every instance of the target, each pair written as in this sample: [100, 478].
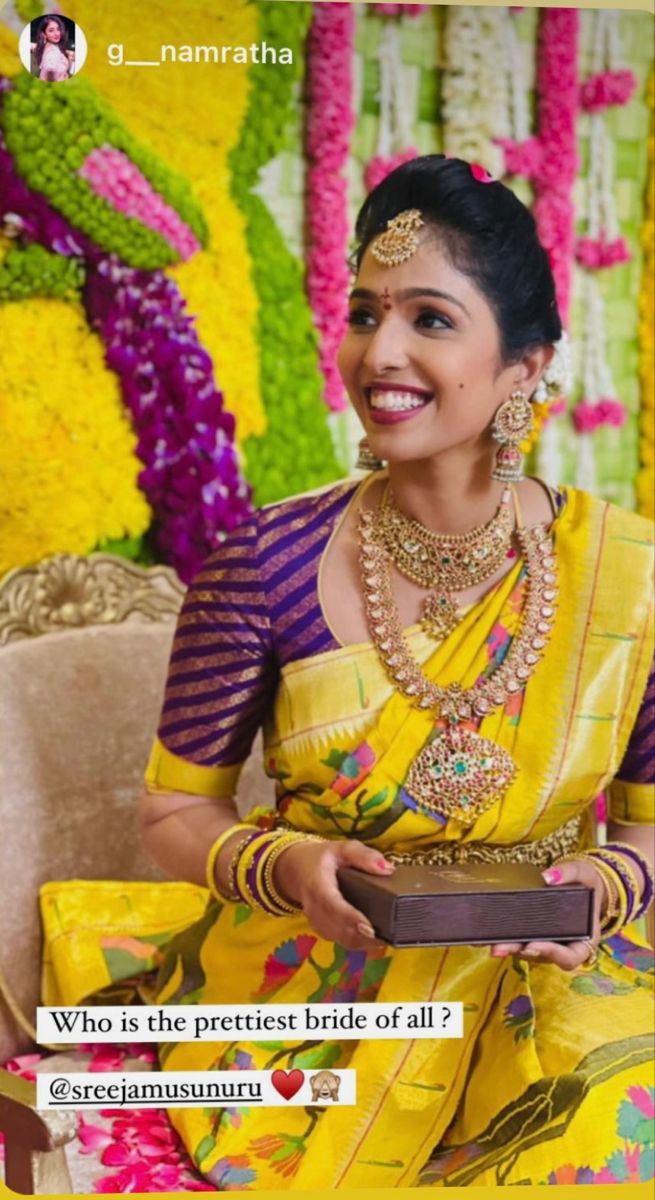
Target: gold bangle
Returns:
[214, 851]
[623, 867]
[234, 864]
[267, 867]
[616, 913]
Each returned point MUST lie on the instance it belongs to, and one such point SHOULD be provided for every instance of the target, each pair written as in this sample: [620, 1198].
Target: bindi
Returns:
[386, 299]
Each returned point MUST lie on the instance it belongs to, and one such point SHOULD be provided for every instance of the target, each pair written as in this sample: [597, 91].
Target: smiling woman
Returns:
[53, 50]
[448, 666]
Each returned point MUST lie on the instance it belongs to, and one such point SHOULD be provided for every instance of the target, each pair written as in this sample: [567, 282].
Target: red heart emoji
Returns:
[287, 1083]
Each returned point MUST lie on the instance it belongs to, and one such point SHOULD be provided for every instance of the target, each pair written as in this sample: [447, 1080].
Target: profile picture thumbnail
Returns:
[52, 48]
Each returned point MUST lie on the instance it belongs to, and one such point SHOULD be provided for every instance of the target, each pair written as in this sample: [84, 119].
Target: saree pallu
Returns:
[553, 1078]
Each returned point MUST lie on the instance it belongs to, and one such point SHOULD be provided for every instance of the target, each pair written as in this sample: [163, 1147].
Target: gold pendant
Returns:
[439, 615]
[460, 774]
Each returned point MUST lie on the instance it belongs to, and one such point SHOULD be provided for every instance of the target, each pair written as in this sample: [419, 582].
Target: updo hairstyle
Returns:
[485, 232]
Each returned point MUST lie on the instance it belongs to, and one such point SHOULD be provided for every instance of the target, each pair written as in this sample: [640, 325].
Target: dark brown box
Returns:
[469, 904]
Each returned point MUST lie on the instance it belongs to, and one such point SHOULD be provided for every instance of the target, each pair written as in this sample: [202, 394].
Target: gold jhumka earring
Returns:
[511, 425]
[366, 459]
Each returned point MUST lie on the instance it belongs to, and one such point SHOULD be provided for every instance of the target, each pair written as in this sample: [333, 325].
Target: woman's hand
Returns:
[572, 954]
[306, 873]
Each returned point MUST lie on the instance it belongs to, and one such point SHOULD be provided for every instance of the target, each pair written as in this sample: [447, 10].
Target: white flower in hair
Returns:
[557, 379]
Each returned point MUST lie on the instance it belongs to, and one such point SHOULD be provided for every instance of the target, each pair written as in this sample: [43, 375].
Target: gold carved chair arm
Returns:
[35, 1159]
[68, 591]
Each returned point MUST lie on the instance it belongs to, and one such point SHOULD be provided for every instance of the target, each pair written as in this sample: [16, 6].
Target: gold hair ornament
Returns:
[399, 240]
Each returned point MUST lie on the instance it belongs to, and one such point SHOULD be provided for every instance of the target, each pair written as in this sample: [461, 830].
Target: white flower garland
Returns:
[475, 91]
[395, 125]
[519, 113]
[601, 209]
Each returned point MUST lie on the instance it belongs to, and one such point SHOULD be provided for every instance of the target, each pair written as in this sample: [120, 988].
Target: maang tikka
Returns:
[399, 240]
[511, 426]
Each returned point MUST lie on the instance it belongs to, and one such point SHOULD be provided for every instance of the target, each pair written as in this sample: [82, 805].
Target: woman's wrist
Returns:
[286, 877]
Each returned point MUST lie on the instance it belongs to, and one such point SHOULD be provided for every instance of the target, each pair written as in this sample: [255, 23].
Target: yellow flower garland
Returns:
[191, 116]
[67, 460]
[646, 476]
[9, 61]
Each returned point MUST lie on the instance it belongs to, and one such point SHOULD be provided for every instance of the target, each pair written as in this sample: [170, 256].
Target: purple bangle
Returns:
[241, 899]
[251, 874]
[649, 888]
[622, 875]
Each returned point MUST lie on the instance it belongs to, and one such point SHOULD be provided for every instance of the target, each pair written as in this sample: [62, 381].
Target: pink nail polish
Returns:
[382, 865]
[553, 875]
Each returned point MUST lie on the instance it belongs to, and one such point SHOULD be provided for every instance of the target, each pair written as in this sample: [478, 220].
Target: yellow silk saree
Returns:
[553, 1078]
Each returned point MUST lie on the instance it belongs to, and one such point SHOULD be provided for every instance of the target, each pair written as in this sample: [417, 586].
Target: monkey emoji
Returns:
[325, 1085]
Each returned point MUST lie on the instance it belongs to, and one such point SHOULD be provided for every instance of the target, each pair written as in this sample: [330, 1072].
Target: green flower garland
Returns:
[79, 121]
[32, 270]
[28, 10]
[296, 453]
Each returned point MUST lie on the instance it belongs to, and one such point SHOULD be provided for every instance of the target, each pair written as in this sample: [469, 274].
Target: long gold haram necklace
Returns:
[445, 563]
[459, 774]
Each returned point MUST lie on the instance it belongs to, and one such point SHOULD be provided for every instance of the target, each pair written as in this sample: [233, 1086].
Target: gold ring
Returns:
[592, 955]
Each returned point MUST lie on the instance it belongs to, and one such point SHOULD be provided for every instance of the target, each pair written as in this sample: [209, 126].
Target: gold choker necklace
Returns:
[458, 773]
[444, 562]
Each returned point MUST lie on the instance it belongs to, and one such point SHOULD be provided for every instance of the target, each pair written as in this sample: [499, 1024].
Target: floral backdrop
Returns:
[173, 249]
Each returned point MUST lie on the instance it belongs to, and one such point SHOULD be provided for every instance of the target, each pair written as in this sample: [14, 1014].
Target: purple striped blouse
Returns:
[253, 608]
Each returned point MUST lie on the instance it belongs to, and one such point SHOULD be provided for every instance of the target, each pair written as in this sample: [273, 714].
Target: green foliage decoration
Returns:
[77, 120]
[296, 453]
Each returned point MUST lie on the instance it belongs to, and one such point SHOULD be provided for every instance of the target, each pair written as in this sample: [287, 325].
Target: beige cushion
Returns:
[78, 712]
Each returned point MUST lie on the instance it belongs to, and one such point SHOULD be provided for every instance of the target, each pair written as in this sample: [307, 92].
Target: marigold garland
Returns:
[329, 124]
[646, 335]
[67, 454]
[191, 473]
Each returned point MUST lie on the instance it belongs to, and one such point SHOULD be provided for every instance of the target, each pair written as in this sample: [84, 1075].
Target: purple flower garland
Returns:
[191, 475]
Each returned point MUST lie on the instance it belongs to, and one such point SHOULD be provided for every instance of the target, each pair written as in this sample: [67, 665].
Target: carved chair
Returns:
[84, 647]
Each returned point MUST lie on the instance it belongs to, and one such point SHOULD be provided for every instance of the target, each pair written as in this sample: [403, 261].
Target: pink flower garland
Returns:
[595, 253]
[606, 88]
[119, 181]
[550, 159]
[139, 1146]
[329, 124]
[382, 165]
[607, 411]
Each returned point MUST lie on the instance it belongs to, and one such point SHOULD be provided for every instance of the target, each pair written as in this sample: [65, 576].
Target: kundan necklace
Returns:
[458, 773]
[443, 562]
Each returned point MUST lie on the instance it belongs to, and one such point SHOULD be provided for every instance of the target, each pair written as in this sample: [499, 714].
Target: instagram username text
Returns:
[256, 52]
